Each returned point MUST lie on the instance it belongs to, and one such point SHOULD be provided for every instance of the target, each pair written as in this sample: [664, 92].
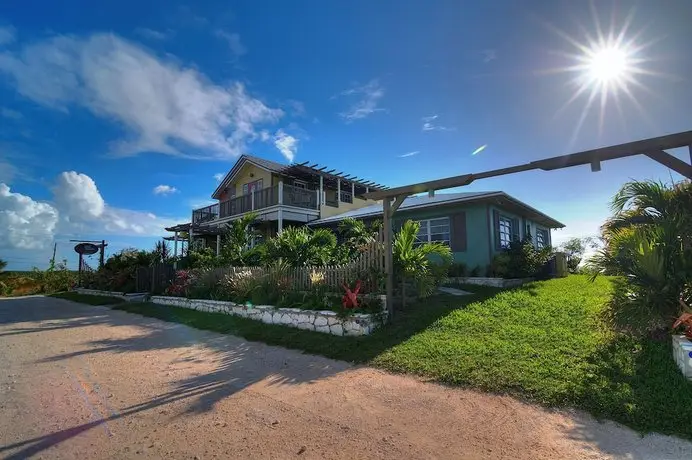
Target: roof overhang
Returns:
[232, 173]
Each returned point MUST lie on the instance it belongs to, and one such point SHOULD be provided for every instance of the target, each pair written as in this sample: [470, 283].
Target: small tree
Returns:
[412, 260]
[574, 249]
[236, 248]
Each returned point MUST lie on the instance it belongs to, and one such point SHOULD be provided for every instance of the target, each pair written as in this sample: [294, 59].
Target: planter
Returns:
[324, 321]
[494, 282]
[682, 354]
[131, 297]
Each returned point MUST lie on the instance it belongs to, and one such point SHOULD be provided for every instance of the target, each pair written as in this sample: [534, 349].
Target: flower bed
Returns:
[493, 282]
[325, 321]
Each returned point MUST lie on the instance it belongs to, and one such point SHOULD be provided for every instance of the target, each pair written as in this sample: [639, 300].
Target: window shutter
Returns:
[516, 236]
[496, 229]
[458, 232]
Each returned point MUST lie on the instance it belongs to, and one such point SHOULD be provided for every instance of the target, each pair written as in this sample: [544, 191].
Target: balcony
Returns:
[255, 201]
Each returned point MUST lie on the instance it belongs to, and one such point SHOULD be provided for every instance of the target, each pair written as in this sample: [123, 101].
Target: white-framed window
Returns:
[541, 238]
[505, 231]
[434, 230]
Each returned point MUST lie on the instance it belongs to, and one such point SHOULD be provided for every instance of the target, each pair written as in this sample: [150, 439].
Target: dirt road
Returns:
[88, 382]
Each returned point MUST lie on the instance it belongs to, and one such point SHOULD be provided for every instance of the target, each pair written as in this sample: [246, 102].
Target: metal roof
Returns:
[425, 201]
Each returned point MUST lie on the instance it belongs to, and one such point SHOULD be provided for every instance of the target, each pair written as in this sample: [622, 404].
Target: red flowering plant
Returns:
[180, 285]
[350, 299]
[685, 320]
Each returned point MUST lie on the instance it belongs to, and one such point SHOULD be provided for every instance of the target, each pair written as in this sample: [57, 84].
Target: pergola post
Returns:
[321, 195]
[338, 191]
[388, 209]
[218, 244]
[175, 244]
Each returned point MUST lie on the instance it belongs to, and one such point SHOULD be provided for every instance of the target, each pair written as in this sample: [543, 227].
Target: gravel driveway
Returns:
[88, 382]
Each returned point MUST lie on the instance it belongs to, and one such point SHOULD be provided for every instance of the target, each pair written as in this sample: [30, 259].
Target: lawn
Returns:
[544, 342]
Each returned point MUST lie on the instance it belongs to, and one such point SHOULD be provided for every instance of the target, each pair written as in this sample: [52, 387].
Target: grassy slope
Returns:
[544, 342]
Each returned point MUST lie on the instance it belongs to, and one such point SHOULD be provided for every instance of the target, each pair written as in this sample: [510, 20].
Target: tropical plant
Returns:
[520, 260]
[55, 279]
[201, 258]
[301, 246]
[3, 265]
[236, 250]
[413, 260]
[648, 241]
[356, 234]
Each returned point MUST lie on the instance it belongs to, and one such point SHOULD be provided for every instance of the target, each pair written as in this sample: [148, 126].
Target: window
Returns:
[505, 231]
[300, 184]
[252, 186]
[434, 230]
[541, 238]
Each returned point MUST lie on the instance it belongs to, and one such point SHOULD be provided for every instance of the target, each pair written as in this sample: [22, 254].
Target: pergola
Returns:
[654, 148]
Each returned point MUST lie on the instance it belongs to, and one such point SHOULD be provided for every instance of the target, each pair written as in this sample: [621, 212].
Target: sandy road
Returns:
[78, 381]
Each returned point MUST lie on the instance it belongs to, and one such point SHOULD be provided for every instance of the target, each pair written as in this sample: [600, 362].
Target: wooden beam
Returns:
[676, 164]
[322, 168]
[330, 171]
[303, 163]
[398, 201]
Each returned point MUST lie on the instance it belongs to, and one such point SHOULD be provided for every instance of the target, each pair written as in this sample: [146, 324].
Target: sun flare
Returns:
[608, 65]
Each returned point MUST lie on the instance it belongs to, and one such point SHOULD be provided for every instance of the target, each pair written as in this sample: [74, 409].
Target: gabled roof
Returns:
[420, 202]
[298, 171]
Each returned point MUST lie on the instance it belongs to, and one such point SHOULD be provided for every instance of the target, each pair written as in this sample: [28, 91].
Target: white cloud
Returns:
[78, 210]
[163, 106]
[233, 42]
[409, 154]
[489, 55]
[368, 97]
[164, 190]
[429, 124]
[287, 144]
[153, 34]
[25, 223]
[7, 35]
[219, 176]
[77, 197]
[11, 114]
[7, 172]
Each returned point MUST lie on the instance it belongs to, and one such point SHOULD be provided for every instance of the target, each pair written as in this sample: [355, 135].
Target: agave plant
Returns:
[412, 261]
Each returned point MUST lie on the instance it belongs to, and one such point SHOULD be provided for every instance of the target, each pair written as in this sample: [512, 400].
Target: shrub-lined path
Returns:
[84, 381]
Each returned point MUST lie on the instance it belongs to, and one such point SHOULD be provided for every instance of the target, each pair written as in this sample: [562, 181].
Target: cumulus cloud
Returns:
[366, 99]
[77, 197]
[219, 176]
[163, 106]
[286, 144]
[7, 35]
[164, 190]
[25, 223]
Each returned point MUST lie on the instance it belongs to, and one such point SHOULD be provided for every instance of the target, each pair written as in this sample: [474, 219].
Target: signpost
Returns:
[87, 248]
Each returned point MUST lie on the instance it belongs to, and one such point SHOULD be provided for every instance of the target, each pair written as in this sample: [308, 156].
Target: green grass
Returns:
[544, 342]
[88, 299]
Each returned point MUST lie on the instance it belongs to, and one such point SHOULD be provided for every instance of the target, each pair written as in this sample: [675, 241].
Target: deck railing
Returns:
[260, 199]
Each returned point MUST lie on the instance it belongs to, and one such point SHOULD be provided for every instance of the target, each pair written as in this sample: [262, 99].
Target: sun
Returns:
[608, 65]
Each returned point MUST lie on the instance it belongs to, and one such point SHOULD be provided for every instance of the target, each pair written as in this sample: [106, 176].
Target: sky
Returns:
[117, 121]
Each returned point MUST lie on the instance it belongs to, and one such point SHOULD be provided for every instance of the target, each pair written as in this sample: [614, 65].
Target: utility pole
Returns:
[52, 260]
[103, 250]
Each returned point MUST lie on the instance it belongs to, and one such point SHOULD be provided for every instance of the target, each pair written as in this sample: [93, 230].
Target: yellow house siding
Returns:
[328, 211]
[248, 173]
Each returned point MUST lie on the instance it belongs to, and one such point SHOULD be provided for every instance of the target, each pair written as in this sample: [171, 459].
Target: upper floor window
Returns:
[541, 238]
[434, 230]
[253, 186]
[505, 231]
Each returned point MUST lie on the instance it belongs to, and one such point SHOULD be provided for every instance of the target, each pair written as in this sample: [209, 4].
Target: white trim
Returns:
[276, 207]
[231, 174]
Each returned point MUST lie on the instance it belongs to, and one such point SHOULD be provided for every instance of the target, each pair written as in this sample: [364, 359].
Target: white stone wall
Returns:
[135, 297]
[493, 282]
[682, 353]
[325, 321]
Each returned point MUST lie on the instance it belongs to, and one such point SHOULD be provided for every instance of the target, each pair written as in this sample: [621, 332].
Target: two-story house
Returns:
[279, 194]
[476, 225]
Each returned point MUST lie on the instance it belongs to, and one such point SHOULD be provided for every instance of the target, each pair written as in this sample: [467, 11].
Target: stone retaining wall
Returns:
[320, 321]
[682, 354]
[493, 282]
[128, 297]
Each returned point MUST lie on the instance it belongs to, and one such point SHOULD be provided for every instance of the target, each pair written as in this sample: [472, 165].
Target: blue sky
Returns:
[100, 107]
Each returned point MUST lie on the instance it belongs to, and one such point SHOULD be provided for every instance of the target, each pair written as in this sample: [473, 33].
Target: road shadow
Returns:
[234, 362]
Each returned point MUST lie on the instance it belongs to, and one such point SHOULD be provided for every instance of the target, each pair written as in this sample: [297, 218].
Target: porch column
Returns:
[353, 190]
[281, 192]
[175, 244]
[281, 220]
[218, 244]
[338, 190]
[320, 197]
[367, 189]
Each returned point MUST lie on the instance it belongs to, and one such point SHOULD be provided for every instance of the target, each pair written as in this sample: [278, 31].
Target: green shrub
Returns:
[520, 260]
[458, 269]
[57, 278]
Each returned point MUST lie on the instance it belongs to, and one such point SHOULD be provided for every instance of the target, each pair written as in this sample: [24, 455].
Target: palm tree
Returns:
[413, 260]
[356, 233]
[238, 238]
[3, 264]
[648, 240]
[300, 246]
[161, 252]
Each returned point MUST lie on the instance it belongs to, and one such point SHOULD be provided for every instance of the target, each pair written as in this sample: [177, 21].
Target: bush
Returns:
[457, 269]
[57, 278]
[520, 260]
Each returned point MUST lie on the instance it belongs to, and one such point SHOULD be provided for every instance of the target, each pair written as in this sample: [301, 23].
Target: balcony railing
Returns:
[292, 196]
[346, 197]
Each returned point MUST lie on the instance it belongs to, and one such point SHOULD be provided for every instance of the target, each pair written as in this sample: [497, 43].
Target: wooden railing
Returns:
[292, 196]
[346, 197]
